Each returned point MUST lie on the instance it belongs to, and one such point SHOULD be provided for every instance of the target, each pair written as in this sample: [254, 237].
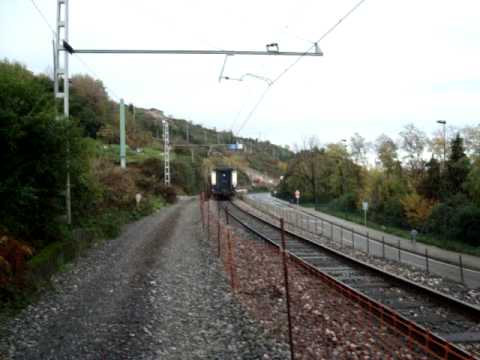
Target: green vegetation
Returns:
[426, 238]
[37, 146]
[438, 198]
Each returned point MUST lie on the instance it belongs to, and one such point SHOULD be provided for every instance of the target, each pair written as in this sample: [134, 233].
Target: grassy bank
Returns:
[428, 239]
[58, 255]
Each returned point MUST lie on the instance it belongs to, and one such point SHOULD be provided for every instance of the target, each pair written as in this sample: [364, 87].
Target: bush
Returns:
[168, 193]
[466, 225]
[393, 212]
[119, 188]
[346, 202]
[33, 155]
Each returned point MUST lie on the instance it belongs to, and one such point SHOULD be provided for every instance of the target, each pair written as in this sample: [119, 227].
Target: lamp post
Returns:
[444, 123]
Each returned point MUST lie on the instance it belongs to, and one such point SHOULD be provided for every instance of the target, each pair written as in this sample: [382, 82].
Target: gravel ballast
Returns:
[156, 292]
[442, 284]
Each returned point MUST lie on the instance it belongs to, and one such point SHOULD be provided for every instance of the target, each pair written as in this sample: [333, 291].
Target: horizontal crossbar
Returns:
[196, 52]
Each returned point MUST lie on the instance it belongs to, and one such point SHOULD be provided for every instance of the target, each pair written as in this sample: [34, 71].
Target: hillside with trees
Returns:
[410, 185]
[38, 146]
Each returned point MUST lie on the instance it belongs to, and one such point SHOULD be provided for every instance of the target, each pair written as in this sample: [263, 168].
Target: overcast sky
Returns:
[390, 63]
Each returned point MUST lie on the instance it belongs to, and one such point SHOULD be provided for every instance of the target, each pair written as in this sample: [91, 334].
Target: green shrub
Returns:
[466, 225]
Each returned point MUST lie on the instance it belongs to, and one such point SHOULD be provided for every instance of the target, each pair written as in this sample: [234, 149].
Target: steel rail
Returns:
[468, 309]
[420, 335]
[371, 238]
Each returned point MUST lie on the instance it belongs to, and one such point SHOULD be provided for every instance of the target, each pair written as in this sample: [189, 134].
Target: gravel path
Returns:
[156, 292]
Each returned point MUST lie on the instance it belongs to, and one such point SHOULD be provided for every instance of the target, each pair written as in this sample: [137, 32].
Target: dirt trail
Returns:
[155, 292]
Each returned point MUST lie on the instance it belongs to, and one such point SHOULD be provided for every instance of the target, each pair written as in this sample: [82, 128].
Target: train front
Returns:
[223, 183]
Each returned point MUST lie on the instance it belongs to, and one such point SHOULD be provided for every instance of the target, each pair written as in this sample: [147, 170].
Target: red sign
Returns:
[297, 194]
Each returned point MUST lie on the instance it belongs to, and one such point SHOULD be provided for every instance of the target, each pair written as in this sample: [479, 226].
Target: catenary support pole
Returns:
[123, 148]
[61, 74]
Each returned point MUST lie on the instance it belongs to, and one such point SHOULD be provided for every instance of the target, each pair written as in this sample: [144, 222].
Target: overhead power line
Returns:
[44, 18]
[289, 67]
[88, 67]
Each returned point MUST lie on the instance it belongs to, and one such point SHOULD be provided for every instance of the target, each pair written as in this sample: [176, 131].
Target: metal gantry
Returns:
[62, 47]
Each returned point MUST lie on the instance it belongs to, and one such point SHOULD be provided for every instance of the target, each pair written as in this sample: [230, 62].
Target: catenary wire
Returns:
[44, 18]
[295, 62]
[88, 67]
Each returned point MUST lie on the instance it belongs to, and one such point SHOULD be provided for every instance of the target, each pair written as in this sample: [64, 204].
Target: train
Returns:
[223, 183]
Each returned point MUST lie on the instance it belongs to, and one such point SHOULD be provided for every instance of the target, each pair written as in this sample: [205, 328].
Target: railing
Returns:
[345, 236]
[312, 317]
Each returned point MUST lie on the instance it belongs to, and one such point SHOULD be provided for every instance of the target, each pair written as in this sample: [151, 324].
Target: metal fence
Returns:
[309, 225]
[315, 316]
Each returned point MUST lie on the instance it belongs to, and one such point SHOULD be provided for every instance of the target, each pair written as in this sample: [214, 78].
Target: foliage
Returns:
[413, 142]
[417, 209]
[359, 148]
[472, 183]
[89, 104]
[458, 166]
[386, 150]
[13, 256]
[466, 225]
[33, 153]
[119, 187]
[430, 185]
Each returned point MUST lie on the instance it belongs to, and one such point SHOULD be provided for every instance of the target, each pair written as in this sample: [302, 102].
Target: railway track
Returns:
[450, 320]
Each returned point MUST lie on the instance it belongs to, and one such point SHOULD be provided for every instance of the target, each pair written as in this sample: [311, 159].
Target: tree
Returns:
[384, 193]
[431, 184]
[387, 153]
[417, 209]
[308, 165]
[472, 184]
[89, 103]
[457, 166]
[359, 149]
[33, 155]
[471, 136]
[413, 142]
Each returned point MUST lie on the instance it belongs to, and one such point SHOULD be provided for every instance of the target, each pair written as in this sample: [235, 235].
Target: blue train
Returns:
[223, 182]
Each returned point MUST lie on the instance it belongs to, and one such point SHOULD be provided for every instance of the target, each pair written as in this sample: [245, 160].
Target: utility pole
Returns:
[61, 71]
[188, 134]
[123, 148]
[205, 136]
[166, 152]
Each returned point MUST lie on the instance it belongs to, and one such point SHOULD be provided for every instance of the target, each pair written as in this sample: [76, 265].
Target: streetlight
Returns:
[444, 123]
